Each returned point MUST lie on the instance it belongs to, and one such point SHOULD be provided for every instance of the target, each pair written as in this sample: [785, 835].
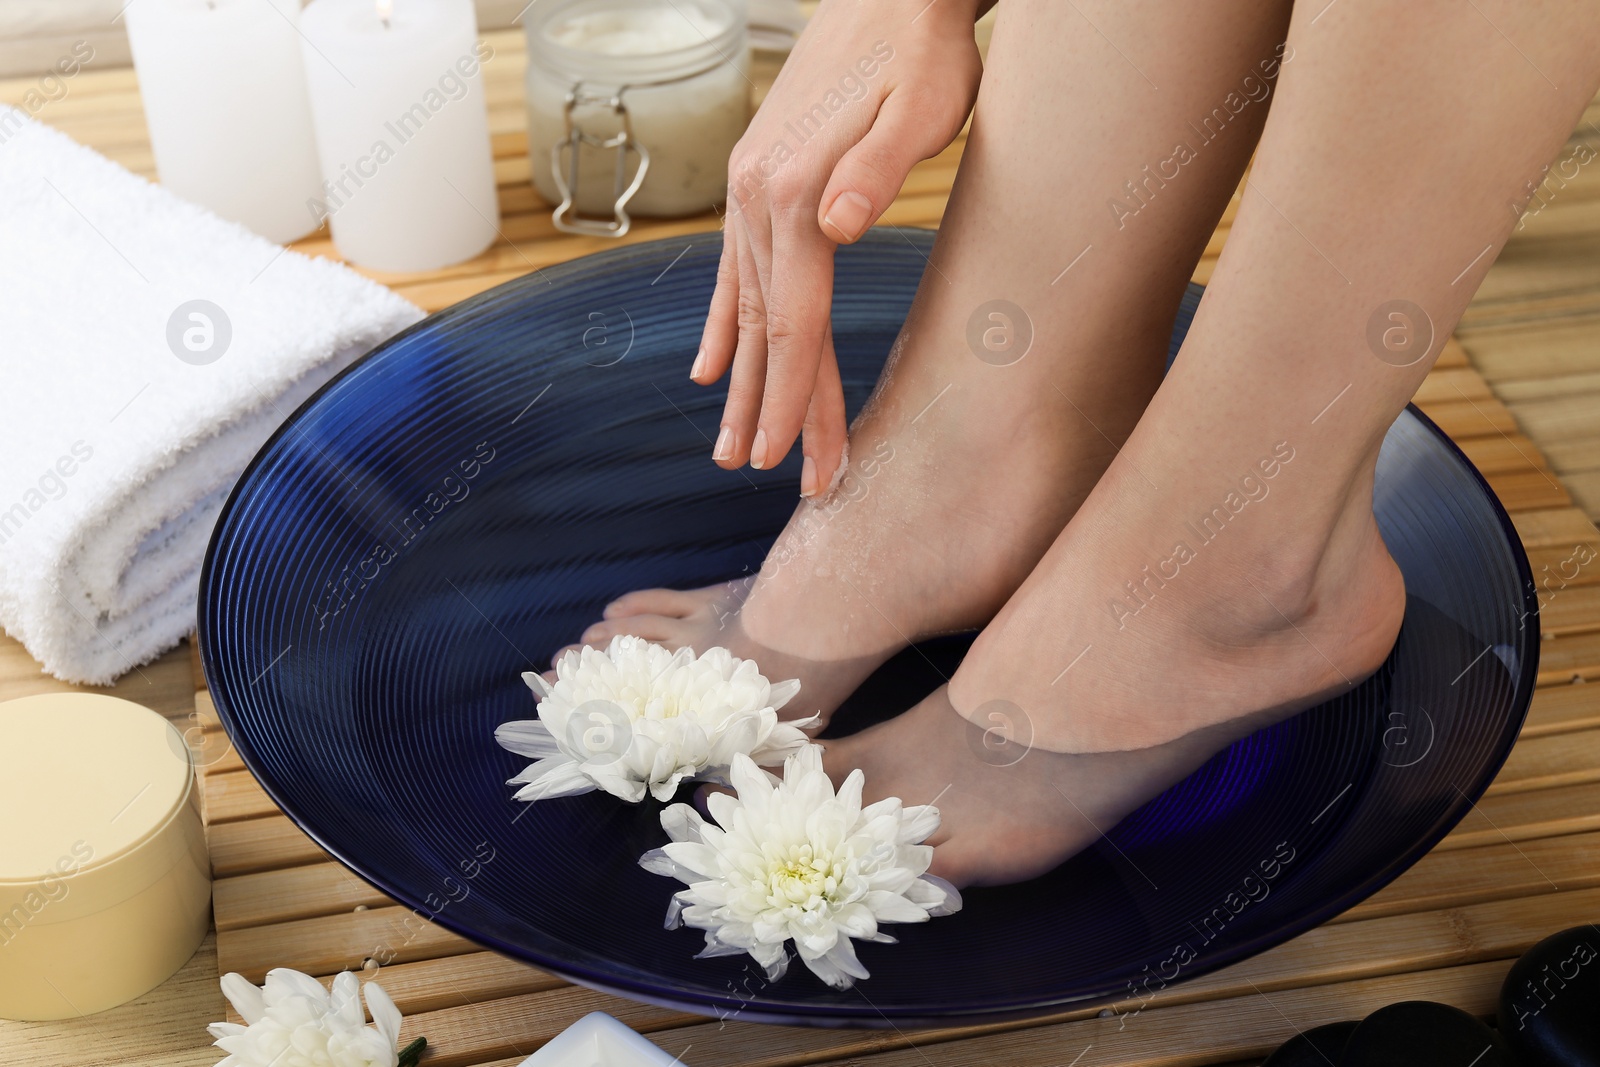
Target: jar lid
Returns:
[634, 42]
[92, 778]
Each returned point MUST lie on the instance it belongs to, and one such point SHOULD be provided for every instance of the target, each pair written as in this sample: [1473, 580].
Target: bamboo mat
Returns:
[1524, 863]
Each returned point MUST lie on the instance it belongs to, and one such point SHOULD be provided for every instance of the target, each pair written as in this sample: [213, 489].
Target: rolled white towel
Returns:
[121, 426]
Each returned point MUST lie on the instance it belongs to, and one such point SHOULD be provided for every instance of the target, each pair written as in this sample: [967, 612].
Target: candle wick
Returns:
[385, 23]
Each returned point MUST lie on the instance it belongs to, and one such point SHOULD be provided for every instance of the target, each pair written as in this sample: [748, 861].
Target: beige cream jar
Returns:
[105, 884]
[634, 106]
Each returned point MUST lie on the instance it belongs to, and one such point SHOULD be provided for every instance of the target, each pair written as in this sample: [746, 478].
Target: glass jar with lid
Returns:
[634, 107]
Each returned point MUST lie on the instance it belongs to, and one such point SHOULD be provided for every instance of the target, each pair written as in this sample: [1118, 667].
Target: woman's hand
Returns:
[871, 88]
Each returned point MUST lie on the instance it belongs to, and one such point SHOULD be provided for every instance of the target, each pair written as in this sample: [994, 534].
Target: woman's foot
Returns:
[1219, 578]
[1158, 614]
[917, 538]
[1008, 812]
[1074, 707]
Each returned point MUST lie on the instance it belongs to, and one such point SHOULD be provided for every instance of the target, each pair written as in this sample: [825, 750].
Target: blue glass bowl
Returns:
[460, 503]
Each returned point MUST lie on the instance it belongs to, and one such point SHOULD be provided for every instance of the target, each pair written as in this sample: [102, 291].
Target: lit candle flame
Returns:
[385, 9]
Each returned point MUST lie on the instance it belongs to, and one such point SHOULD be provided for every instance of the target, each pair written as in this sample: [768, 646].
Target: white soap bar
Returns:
[598, 1040]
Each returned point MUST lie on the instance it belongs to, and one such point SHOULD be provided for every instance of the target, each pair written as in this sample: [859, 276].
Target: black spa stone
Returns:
[1550, 1002]
[1317, 1047]
[1420, 1033]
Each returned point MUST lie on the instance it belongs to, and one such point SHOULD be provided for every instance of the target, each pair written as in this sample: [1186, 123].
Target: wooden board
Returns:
[1535, 332]
[1520, 397]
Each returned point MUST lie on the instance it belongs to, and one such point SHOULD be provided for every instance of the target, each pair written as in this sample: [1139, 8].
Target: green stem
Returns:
[413, 1052]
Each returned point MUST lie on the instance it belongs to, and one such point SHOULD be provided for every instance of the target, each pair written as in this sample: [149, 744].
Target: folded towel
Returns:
[126, 410]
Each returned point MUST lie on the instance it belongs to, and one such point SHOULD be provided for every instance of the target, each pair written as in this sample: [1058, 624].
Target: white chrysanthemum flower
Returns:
[636, 716]
[798, 863]
[293, 1022]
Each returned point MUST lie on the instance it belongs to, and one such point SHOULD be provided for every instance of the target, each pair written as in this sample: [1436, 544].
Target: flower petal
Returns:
[563, 781]
[738, 735]
[244, 996]
[894, 908]
[783, 692]
[751, 785]
[535, 682]
[298, 984]
[917, 824]
[952, 896]
[838, 967]
[527, 737]
[693, 856]
[715, 948]
[344, 1001]
[724, 807]
[385, 1014]
[682, 823]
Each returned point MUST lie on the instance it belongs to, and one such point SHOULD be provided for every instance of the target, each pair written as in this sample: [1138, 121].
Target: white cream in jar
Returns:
[672, 75]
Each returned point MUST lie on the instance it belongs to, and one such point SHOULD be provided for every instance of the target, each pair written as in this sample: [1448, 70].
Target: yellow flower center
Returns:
[797, 875]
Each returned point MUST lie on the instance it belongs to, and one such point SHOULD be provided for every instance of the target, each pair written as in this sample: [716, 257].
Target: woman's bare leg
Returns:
[1228, 569]
[1036, 340]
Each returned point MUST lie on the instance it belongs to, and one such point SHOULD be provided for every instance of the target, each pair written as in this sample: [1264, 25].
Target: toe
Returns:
[659, 628]
[671, 602]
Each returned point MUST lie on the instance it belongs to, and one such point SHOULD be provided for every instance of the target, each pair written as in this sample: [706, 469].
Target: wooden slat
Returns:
[1585, 486]
[1560, 708]
[1574, 453]
[1451, 355]
[1544, 762]
[1566, 659]
[1562, 417]
[1521, 816]
[1568, 609]
[260, 845]
[236, 795]
[1554, 527]
[1470, 418]
[334, 943]
[1501, 929]
[1452, 383]
[1521, 490]
[1498, 870]
[1538, 350]
[291, 893]
[1552, 565]
[456, 981]
[1511, 452]
[221, 756]
[1515, 391]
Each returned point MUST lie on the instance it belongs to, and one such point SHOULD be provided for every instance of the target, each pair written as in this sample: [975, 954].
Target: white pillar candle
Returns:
[225, 99]
[402, 130]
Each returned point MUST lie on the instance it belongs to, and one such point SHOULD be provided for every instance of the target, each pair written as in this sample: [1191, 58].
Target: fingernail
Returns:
[849, 215]
[758, 450]
[724, 449]
[808, 477]
[699, 364]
